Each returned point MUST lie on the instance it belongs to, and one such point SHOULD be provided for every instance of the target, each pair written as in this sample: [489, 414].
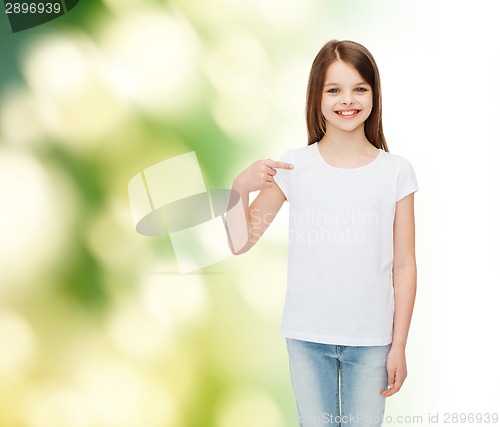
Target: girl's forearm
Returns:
[405, 287]
[238, 225]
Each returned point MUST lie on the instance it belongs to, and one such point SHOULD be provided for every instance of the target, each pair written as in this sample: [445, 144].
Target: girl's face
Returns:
[347, 99]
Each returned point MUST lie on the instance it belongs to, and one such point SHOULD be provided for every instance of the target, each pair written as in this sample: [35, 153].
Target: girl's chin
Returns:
[347, 126]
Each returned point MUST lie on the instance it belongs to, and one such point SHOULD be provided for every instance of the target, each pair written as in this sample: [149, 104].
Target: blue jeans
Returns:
[338, 385]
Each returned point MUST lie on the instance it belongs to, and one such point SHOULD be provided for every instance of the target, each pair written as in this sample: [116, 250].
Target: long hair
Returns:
[362, 60]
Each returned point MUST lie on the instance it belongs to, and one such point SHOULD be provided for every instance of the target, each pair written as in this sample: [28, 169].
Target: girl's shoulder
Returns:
[308, 156]
[398, 159]
[302, 154]
[397, 165]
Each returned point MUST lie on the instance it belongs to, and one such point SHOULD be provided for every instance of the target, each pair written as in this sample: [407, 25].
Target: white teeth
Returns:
[347, 113]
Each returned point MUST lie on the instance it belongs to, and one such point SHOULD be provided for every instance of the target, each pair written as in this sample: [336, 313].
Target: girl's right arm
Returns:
[246, 224]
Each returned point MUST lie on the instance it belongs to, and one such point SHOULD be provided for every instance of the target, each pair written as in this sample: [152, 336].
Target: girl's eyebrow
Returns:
[338, 84]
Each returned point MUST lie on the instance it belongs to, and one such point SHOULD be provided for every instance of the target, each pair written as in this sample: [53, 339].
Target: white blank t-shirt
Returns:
[340, 246]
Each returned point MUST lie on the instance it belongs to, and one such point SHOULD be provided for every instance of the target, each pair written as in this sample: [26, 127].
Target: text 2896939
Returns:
[33, 8]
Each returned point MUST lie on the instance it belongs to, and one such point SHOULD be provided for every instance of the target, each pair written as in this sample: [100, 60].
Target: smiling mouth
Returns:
[347, 113]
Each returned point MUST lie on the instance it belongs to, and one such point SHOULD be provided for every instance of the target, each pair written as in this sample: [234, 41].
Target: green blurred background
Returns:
[96, 327]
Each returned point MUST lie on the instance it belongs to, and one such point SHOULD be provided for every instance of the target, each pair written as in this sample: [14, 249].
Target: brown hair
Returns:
[361, 59]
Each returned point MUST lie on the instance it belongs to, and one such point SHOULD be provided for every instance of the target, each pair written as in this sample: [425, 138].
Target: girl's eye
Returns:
[359, 90]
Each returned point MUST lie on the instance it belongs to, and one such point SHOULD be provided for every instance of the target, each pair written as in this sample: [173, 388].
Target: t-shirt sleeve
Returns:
[283, 176]
[407, 180]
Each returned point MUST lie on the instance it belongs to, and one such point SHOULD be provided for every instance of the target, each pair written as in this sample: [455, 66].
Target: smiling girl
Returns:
[351, 259]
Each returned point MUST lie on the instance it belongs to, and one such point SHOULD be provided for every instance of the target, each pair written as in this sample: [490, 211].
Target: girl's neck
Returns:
[346, 141]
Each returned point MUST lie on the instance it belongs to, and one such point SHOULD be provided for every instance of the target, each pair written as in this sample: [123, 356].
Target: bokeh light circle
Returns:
[34, 219]
[155, 58]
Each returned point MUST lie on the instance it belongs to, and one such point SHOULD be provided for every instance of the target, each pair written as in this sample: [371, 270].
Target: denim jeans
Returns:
[338, 385]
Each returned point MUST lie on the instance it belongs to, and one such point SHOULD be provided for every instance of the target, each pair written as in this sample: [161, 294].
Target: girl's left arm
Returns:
[404, 272]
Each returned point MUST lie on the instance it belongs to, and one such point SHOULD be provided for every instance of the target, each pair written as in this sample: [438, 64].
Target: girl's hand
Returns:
[396, 371]
[259, 175]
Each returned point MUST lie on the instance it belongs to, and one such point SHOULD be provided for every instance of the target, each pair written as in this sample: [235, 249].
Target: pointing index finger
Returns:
[280, 165]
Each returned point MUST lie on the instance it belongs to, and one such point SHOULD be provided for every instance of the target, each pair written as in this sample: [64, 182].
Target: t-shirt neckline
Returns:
[346, 169]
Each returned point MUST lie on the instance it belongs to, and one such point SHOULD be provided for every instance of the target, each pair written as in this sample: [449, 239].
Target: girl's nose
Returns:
[347, 100]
